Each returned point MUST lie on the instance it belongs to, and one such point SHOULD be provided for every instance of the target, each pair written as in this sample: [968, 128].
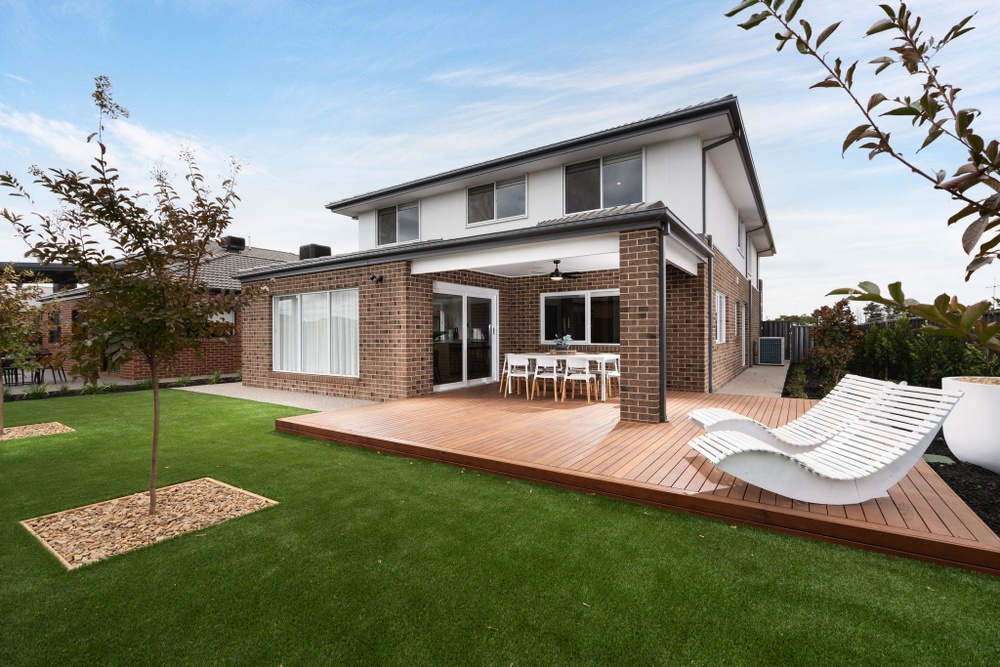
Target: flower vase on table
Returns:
[562, 344]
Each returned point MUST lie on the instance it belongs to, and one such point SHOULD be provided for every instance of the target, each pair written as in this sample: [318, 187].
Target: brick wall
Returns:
[396, 346]
[215, 355]
[727, 358]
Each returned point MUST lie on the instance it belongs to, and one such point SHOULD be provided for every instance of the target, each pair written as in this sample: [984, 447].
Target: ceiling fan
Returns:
[559, 275]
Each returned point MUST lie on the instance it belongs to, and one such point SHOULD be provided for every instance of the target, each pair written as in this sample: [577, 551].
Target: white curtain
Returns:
[316, 333]
[344, 338]
[286, 333]
[324, 326]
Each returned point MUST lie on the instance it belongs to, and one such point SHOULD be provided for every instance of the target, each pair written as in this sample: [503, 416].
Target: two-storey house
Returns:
[644, 240]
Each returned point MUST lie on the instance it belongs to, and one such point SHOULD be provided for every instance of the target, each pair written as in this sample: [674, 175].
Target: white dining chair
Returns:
[546, 368]
[578, 370]
[518, 368]
[612, 373]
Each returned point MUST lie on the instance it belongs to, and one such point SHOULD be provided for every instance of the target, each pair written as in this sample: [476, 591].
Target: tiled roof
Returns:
[603, 213]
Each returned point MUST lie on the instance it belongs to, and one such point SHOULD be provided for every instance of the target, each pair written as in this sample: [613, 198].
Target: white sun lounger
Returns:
[820, 423]
[862, 461]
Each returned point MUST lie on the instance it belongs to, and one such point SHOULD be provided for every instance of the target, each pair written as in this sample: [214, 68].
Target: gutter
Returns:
[711, 318]
[662, 324]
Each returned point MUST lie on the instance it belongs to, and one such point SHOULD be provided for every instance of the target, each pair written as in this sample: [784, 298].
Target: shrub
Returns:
[215, 377]
[40, 390]
[145, 383]
[96, 388]
[63, 390]
[836, 339]
[795, 386]
[183, 381]
[239, 375]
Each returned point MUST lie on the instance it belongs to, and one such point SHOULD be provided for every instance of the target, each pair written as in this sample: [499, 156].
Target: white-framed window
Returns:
[720, 317]
[613, 180]
[741, 237]
[316, 332]
[590, 317]
[502, 200]
[398, 224]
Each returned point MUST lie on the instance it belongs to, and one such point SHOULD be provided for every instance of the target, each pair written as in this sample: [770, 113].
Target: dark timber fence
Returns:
[798, 337]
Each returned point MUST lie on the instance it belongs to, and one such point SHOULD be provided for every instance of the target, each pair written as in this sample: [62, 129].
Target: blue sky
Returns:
[325, 100]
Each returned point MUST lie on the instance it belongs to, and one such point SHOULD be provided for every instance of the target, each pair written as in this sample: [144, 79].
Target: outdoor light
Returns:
[375, 279]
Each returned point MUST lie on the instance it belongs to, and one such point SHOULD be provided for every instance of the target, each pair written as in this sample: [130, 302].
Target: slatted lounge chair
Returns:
[820, 423]
[862, 461]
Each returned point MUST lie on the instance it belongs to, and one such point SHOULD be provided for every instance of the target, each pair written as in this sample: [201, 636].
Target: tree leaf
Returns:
[828, 82]
[876, 100]
[870, 287]
[880, 26]
[901, 111]
[754, 21]
[973, 233]
[968, 210]
[853, 136]
[976, 264]
[973, 314]
[896, 292]
[931, 137]
[793, 9]
[882, 63]
[822, 37]
[739, 8]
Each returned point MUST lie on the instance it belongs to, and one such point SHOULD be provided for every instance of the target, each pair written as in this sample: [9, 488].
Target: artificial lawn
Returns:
[378, 559]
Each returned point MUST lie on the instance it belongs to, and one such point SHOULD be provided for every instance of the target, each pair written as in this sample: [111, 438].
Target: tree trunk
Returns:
[1, 403]
[156, 435]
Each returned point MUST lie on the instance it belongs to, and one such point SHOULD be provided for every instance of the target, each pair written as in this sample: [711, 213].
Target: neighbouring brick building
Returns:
[222, 355]
[642, 240]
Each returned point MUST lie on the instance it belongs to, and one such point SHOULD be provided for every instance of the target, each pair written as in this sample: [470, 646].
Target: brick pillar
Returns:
[638, 253]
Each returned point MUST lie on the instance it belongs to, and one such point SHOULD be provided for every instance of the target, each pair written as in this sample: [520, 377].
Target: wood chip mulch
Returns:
[88, 534]
[31, 430]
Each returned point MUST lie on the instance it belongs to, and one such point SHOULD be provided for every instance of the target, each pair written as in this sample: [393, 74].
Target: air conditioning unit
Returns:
[771, 351]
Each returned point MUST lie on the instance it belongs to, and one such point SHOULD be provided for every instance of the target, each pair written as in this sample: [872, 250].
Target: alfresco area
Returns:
[586, 447]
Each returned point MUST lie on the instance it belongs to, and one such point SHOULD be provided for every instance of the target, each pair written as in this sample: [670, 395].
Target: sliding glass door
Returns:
[464, 331]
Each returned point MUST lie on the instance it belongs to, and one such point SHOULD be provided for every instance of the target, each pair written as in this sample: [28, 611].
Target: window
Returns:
[398, 224]
[317, 333]
[614, 180]
[720, 317]
[589, 317]
[497, 201]
[55, 329]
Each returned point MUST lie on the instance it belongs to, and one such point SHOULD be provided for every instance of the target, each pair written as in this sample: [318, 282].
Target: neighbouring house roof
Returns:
[617, 219]
[218, 271]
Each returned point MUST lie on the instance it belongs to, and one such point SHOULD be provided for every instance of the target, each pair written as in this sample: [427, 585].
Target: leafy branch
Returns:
[933, 109]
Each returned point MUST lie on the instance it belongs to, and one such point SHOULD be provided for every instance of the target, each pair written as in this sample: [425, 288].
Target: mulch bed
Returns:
[31, 430]
[88, 534]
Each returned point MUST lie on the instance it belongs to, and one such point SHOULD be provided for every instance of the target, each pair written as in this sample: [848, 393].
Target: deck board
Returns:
[585, 447]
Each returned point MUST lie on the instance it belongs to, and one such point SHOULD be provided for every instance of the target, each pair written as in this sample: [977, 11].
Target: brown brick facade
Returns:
[728, 360]
[224, 356]
[396, 346]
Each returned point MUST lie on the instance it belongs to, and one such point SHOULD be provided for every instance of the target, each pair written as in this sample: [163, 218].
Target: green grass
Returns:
[377, 559]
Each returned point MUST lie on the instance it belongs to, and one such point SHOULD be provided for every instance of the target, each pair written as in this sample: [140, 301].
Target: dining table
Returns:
[600, 358]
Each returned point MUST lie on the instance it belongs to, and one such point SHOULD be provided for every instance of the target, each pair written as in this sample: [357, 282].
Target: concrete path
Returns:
[757, 381]
[293, 399]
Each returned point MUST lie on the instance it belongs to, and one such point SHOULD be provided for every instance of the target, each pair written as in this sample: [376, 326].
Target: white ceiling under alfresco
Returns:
[581, 254]
[585, 253]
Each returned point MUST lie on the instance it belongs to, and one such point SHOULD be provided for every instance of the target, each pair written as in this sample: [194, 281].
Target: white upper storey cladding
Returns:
[695, 160]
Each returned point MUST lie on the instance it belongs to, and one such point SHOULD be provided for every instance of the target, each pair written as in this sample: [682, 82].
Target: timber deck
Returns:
[587, 448]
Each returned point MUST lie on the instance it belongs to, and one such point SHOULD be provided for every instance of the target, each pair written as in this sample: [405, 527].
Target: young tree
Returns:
[975, 183]
[20, 318]
[873, 312]
[836, 340]
[145, 293]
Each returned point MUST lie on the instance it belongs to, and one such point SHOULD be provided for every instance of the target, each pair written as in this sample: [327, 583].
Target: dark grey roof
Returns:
[680, 116]
[218, 270]
[604, 213]
[619, 218]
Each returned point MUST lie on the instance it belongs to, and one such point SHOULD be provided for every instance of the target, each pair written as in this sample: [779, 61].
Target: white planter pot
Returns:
[973, 427]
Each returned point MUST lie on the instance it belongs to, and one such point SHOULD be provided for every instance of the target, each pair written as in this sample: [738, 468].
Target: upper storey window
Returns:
[613, 180]
[397, 224]
[497, 201]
